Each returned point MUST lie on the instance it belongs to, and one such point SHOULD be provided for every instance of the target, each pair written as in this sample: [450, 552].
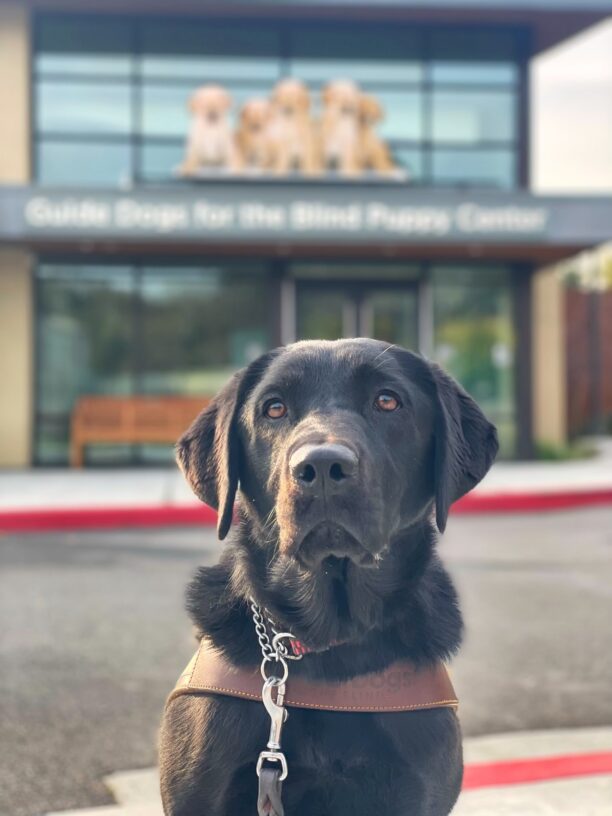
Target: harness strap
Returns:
[399, 687]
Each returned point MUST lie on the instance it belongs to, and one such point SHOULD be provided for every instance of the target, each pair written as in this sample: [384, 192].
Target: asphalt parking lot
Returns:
[93, 635]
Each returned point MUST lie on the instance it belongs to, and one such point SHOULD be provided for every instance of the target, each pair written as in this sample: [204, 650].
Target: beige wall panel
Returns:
[16, 358]
[549, 369]
[14, 94]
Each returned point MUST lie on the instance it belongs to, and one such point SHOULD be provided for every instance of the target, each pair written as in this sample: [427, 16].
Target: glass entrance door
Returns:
[331, 311]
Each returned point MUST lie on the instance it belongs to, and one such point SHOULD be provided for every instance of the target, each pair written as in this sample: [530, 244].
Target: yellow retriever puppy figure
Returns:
[340, 127]
[210, 143]
[373, 152]
[292, 137]
[253, 135]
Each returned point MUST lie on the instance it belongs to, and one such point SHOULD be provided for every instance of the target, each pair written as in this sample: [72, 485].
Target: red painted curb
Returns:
[532, 502]
[106, 518]
[109, 518]
[540, 769]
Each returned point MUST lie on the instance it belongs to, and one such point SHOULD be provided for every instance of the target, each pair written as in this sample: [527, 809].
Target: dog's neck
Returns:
[404, 609]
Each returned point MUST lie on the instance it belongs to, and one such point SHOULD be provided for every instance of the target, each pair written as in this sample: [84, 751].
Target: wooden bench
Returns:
[129, 420]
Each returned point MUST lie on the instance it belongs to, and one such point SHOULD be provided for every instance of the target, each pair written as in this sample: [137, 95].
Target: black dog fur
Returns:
[413, 460]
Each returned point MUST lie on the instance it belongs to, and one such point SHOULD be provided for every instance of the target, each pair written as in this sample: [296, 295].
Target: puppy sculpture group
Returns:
[281, 135]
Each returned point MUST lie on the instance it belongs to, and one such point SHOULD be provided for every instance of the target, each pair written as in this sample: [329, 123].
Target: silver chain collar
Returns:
[271, 649]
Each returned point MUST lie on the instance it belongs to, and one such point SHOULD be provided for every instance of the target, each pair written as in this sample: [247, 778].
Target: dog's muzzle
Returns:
[323, 471]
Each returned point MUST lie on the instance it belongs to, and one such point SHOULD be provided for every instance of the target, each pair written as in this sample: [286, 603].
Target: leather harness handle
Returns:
[399, 687]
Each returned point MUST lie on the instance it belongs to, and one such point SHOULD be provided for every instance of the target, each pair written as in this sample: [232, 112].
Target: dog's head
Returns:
[210, 103]
[291, 99]
[254, 116]
[341, 98]
[370, 110]
[336, 448]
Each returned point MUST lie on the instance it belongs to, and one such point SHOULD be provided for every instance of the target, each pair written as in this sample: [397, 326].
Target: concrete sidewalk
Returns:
[509, 486]
[573, 768]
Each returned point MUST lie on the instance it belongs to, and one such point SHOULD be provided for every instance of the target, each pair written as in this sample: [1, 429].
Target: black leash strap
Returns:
[270, 788]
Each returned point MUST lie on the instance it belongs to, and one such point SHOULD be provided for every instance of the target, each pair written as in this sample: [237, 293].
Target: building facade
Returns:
[120, 277]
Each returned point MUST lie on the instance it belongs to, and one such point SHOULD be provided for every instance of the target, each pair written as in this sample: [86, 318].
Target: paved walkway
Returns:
[59, 489]
[573, 769]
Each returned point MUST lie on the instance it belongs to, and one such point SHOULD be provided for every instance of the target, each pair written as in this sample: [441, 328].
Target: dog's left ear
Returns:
[208, 453]
[465, 444]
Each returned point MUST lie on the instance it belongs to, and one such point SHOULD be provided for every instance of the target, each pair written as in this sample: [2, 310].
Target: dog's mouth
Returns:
[332, 548]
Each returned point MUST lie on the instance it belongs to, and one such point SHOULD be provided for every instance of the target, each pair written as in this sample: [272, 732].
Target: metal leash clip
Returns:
[278, 715]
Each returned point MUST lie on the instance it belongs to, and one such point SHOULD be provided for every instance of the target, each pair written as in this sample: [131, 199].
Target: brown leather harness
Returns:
[400, 687]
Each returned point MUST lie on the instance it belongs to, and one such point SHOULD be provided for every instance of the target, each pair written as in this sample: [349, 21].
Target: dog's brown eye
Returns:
[386, 401]
[275, 409]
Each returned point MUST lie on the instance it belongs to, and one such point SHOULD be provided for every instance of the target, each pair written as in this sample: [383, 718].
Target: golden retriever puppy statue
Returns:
[292, 136]
[373, 152]
[340, 130]
[210, 143]
[253, 135]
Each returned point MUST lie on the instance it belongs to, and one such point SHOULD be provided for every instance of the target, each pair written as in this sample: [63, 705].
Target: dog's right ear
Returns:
[207, 453]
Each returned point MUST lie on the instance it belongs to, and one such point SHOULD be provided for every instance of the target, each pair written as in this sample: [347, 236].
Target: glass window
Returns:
[474, 339]
[473, 44]
[161, 161]
[485, 168]
[199, 325]
[410, 160]
[84, 47]
[391, 315]
[368, 56]
[462, 72]
[473, 116]
[81, 65]
[121, 330]
[83, 107]
[165, 110]
[131, 79]
[403, 114]
[105, 164]
[210, 53]
[85, 345]
[321, 314]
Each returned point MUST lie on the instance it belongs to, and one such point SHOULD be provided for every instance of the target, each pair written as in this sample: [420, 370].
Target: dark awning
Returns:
[550, 20]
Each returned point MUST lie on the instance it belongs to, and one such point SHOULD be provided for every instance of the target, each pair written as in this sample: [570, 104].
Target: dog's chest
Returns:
[211, 141]
[340, 136]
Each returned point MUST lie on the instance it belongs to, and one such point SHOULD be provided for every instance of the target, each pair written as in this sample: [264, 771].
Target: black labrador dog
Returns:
[343, 454]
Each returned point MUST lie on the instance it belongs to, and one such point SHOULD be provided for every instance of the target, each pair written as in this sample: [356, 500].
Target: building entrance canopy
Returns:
[326, 214]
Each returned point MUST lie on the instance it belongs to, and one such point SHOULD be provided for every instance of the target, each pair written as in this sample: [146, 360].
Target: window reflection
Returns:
[320, 317]
[84, 46]
[473, 116]
[474, 339]
[403, 114]
[81, 164]
[158, 161]
[85, 346]
[459, 72]
[79, 107]
[410, 160]
[199, 326]
[486, 168]
[393, 317]
[210, 68]
[107, 329]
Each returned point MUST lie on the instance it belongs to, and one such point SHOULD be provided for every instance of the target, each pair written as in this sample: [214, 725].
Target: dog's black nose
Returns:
[328, 467]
